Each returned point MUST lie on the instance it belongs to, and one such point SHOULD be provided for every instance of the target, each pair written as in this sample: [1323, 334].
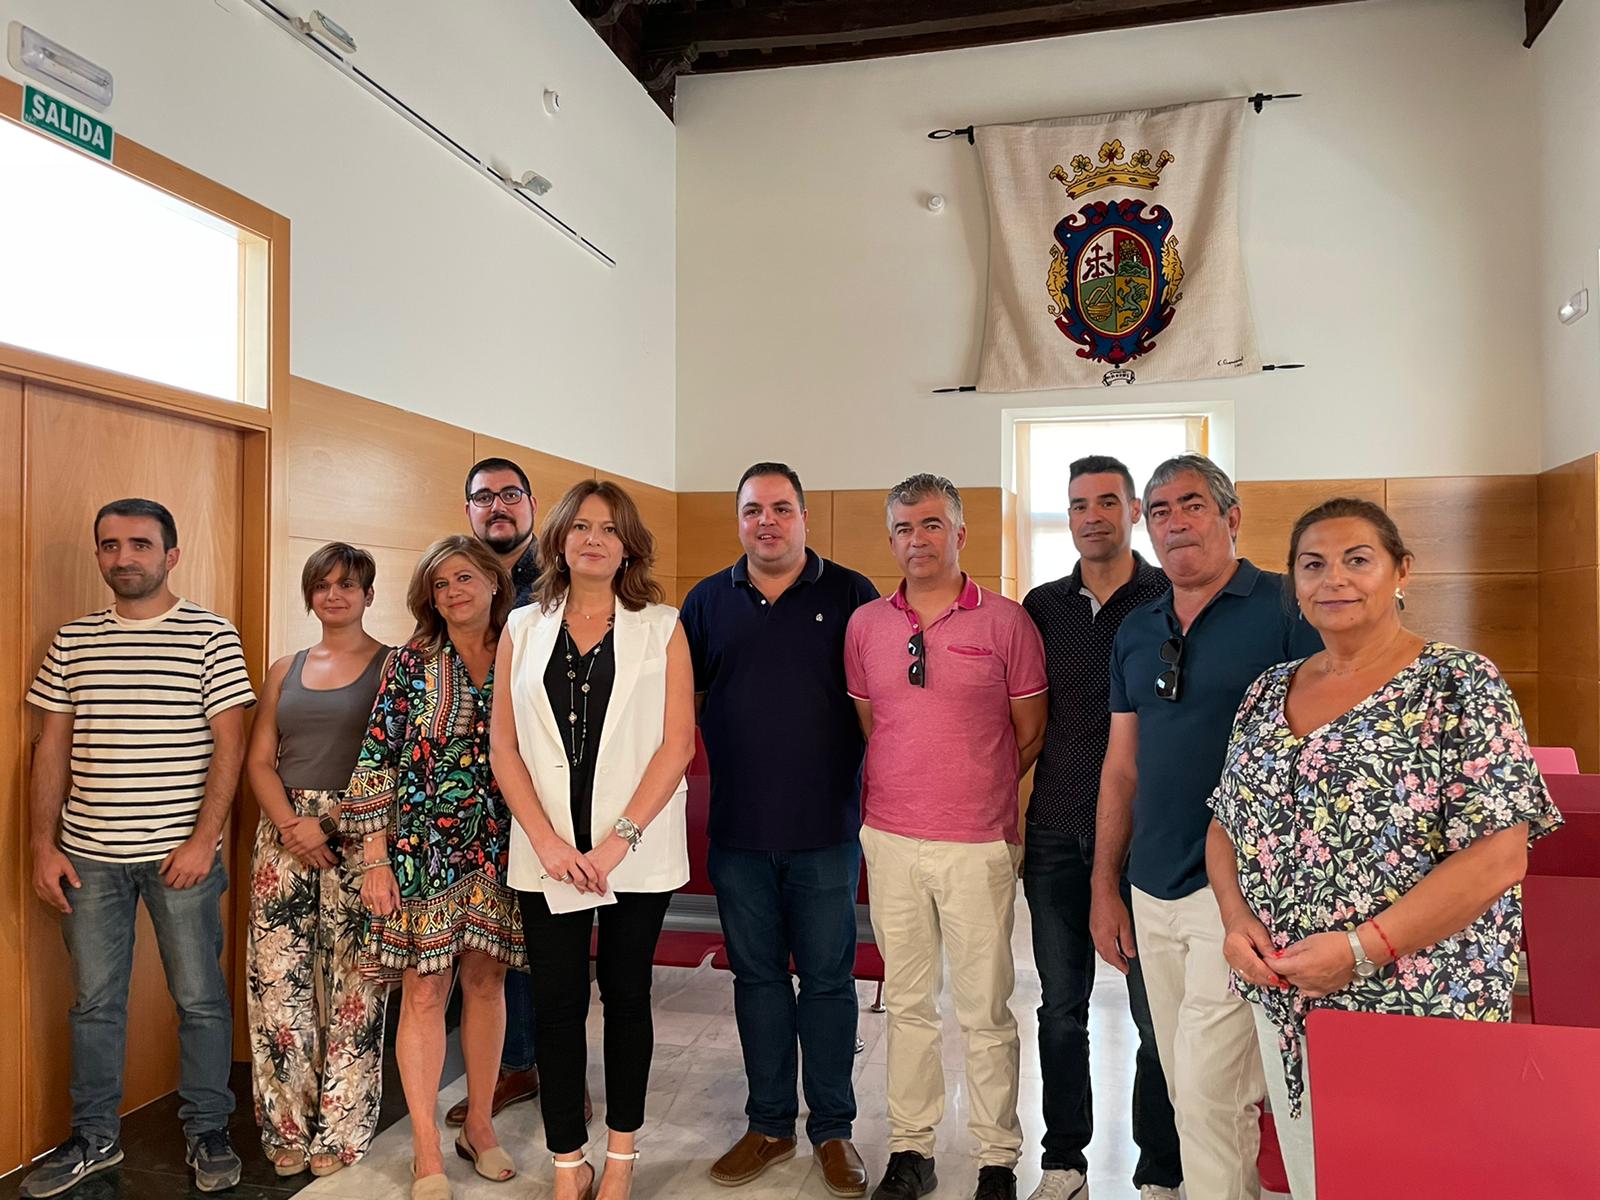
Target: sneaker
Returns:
[216, 1166]
[1154, 1191]
[909, 1175]
[996, 1183]
[1057, 1184]
[69, 1164]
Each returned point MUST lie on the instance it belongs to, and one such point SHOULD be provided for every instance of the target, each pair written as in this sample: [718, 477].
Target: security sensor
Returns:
[552, 101]
[935, 203]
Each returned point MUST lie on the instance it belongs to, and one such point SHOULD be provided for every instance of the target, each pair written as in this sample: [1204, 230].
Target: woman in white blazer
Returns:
[590, 756]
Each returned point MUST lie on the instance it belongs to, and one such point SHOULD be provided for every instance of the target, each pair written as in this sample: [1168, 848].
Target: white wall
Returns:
[1566, 61]
[415, 281]
[1386, 230]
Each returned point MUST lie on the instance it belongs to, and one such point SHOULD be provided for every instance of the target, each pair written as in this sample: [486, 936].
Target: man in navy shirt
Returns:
[1179, 667]
[785, 748]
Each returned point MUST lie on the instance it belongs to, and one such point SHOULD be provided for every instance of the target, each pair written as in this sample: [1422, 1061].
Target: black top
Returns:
[1250, 625]
[781, 732]
[1077, 653]
[525, 573]
[581, 715]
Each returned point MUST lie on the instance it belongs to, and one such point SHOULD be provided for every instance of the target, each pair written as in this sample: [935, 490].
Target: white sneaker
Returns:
[1061, 1185]
[1154, 1191]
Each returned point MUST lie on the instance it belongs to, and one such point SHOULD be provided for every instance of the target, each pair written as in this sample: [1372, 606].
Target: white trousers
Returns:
[1294, 1133]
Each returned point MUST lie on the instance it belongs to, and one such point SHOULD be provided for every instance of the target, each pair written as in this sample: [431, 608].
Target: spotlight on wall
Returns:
[935, 203]
[532, 181]
[321, 23]
[1577, 304]
[51, 63]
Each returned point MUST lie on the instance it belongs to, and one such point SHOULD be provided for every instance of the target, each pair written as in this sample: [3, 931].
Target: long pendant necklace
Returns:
[577, 738]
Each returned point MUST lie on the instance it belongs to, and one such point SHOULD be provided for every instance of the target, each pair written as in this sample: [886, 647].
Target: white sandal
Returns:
[572, 1164]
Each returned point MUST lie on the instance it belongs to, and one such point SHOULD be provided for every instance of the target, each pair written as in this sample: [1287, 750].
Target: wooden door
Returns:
[80, 452]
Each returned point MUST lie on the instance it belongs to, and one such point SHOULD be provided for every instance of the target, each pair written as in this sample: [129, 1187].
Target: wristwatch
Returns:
[629, 832]
[328, 825]
[1365, 967]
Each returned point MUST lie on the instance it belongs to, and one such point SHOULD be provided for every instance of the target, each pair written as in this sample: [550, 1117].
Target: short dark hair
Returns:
[135, 507]
[1103, 464]
[496, 464]
[357, 564]
[772, 468]
[1349, 506]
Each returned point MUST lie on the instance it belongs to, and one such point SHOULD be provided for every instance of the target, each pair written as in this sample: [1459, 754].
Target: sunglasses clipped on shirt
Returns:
[1169, 684]
[917, 672]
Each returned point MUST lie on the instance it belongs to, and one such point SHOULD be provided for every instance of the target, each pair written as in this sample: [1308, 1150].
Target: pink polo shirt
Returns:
[942, 759]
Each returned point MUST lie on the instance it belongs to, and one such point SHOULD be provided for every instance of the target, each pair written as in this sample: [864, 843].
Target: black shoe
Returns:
[216, 1166]
[909, 1176]
[996, 1183]
[69, 1164]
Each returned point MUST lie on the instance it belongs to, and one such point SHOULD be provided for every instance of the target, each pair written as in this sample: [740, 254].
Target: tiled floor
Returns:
[694, 1113]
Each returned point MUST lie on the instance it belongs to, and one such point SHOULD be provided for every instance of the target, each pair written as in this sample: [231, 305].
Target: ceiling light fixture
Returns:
[321, 23]
[52, 63]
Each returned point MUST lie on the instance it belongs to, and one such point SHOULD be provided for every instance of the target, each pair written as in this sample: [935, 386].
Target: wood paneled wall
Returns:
[390, 481]
[850, 528]
[1475, 581]
[1569, 608]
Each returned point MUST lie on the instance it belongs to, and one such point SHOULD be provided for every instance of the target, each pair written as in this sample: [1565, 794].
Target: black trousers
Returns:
[558, 967]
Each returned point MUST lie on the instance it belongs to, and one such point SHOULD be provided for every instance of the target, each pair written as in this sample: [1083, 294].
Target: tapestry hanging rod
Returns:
[1257, 102]
[972, 387]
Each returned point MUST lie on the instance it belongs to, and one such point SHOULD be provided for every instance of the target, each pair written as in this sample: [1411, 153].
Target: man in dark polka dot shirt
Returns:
[1078, 617]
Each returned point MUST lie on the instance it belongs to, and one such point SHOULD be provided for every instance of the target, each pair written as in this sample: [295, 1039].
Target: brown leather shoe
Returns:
[751, 1155]
[842, 1170]
[512, 1087]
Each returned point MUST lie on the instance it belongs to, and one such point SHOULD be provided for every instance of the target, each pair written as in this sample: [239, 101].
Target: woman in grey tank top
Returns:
[316, 1023]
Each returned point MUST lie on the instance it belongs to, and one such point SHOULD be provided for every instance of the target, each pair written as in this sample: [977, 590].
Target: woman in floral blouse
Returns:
[1372, 820]
[435, 832]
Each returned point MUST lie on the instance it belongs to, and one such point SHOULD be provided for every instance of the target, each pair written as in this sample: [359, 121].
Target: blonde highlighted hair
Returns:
[432, 632]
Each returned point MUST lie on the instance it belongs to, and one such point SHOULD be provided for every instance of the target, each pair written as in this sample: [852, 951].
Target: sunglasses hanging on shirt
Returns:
[1169, 682]
[917, 672]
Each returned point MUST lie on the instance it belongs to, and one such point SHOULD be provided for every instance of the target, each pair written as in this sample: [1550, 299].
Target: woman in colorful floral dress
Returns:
[434, 831]
[1373, 818]
[316, 1021]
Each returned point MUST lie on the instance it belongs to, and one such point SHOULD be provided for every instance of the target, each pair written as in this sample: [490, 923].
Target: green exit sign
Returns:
[71, 125]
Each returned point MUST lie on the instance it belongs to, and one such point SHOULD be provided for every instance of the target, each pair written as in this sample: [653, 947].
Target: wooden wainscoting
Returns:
[1569, 608]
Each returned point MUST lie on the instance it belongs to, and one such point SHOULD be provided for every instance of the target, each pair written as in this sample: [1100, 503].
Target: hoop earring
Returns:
[561, 565]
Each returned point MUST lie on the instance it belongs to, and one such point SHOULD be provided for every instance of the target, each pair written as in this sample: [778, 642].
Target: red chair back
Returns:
[1435, 1109]
[1556, 760]
[1560, 917]
[1574, 849]
[697, 811]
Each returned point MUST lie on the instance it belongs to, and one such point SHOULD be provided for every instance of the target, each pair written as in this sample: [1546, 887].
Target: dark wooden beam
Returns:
[833, 29]
[1538, 14]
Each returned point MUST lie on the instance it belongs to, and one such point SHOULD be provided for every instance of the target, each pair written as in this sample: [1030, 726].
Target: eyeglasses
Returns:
[917, 672]
[483, 497]
[1169, 681]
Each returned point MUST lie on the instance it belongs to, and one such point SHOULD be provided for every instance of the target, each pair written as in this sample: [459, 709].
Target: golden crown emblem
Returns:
[1142, 170]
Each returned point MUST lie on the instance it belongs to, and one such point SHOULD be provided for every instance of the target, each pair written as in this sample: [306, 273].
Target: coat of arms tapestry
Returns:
[1114, 249]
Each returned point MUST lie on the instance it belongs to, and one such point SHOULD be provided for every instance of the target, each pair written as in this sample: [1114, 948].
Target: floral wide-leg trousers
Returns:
[316, 1023]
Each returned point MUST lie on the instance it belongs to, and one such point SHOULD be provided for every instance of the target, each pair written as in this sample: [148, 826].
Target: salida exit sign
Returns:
[71, 125]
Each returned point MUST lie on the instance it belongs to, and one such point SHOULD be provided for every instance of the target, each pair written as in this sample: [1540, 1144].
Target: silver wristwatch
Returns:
[629, 832]
[1365, 967]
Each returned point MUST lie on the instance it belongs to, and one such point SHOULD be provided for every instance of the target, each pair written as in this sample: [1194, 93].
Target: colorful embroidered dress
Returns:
[423, 775]
[1331, 829]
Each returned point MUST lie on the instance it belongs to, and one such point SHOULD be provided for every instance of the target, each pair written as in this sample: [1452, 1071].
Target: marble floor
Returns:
[695, 1107]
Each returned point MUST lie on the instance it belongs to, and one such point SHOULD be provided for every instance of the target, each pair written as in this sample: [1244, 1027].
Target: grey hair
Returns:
[921, 487]
[1217, 481]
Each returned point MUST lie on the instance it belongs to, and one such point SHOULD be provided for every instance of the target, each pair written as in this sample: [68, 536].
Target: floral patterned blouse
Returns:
[1331, 829]
[423, 774]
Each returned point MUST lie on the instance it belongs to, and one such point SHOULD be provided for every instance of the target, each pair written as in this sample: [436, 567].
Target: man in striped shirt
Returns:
[142, 739]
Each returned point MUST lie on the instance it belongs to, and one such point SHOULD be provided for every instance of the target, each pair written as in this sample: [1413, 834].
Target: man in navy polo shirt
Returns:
[785, 748]
[1179, 667]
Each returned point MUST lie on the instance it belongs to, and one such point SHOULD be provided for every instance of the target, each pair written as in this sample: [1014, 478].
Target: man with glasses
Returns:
[1179, 667]
[1078, 616]
[949, 682]
[767, 639]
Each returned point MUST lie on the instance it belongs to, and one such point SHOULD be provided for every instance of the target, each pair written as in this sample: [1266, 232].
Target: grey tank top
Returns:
[320, 730]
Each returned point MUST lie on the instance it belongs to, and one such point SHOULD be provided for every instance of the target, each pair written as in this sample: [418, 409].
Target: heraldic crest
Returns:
[1114, 268]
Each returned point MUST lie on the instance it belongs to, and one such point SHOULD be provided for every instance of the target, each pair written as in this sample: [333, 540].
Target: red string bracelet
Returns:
[1387, 945]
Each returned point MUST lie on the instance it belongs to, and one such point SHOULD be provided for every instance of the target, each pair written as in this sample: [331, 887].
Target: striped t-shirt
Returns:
[142, 695]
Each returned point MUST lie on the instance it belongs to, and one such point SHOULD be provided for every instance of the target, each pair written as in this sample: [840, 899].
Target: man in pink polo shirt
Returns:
[950, 682]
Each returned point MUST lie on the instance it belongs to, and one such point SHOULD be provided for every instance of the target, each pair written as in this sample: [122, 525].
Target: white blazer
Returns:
[633, 732]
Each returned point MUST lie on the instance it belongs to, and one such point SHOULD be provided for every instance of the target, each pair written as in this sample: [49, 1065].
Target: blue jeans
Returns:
[99, 933]
[776, 906]
[1055, 878]
[517, 1052]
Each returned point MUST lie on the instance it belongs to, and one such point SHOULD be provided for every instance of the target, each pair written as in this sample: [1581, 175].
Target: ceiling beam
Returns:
[767, 28]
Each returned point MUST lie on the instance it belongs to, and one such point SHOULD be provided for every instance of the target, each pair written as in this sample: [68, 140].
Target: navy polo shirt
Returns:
[1250, 625]
[780, 730]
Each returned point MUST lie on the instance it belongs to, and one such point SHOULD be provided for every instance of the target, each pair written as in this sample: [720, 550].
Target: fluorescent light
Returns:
[50, 62]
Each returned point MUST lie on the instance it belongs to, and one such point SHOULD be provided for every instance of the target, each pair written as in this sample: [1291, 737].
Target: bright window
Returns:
[108, 271]
[1045, 453]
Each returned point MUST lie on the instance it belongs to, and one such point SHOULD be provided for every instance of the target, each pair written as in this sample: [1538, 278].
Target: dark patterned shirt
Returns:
[525, 573]
[1077, 649]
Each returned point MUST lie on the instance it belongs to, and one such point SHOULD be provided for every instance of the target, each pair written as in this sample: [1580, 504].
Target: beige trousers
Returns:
[960, 896]
[1206, 1037]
